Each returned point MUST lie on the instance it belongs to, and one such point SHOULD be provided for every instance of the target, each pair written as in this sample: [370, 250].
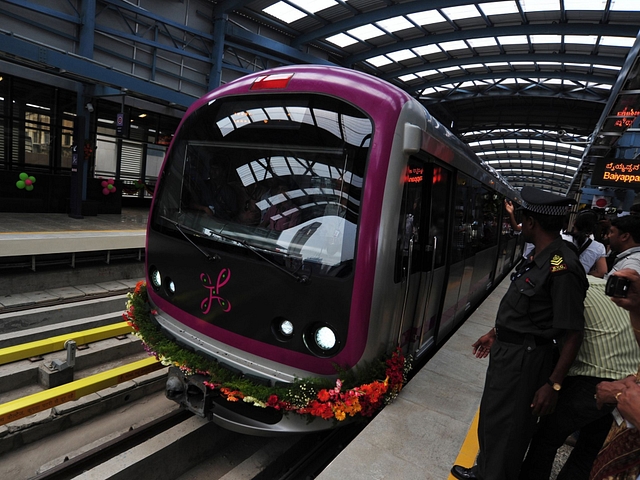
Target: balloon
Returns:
[26, 182]
[104, 183]
[113, 190]
[110, 186]
[105, 191]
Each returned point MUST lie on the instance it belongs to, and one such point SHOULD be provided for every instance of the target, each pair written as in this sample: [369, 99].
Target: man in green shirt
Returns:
[608, 352]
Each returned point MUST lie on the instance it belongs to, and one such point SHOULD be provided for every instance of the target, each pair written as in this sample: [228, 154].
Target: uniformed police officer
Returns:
[537, 335]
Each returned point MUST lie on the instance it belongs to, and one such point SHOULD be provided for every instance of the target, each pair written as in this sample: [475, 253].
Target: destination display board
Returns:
[612, 172]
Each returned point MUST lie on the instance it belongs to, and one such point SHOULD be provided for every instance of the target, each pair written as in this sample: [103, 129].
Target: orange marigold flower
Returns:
[323, 395]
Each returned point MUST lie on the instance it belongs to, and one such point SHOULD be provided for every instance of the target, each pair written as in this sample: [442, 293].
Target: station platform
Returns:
[31, 242]
[49, 233]
[432, 423]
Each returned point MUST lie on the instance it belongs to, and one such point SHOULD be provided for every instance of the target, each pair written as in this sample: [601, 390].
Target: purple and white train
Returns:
[308, 216]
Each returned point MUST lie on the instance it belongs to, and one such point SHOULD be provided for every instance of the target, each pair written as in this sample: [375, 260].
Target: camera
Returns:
[617, 286]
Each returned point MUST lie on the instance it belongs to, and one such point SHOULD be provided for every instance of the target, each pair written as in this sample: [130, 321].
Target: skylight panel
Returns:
[607, 67]
[513, 40]
[497, 64]
[581, 39]
[460, 12]
[342, 40]
[394, 24]
[545, 38]
[453, 45]
[625, 5]
[427, 73]
[400, 55]
[482, 42]
[365, 32]
[285, 12]
[499, 8]
[449, 69]
[408, 78]
[313, 6]
[427, 18]
[540, 5]
[617, 41]
[585, 4]
[473, 65]
[427, 50]
[379, 61]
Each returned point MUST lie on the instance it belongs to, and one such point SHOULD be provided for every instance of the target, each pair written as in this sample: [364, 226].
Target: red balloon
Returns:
[105, 191]
[104, 183]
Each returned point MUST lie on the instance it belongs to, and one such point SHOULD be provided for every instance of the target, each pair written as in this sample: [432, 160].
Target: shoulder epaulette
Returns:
[557, 263]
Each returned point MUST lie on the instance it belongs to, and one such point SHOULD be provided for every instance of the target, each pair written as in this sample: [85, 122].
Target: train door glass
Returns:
[434, 265]
[461, 250]
[421, 251]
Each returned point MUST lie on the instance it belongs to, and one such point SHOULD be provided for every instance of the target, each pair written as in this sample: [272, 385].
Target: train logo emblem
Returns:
[214, 291]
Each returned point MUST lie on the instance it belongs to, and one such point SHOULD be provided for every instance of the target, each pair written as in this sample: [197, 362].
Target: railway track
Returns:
[112, 420]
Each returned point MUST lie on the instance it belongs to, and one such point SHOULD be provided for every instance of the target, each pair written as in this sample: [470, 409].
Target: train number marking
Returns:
[214, 291]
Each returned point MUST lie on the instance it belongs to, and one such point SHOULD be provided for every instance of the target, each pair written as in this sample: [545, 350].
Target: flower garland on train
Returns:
[355, 394]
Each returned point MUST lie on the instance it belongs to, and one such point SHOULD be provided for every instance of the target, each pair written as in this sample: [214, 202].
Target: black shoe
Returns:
[463, 473]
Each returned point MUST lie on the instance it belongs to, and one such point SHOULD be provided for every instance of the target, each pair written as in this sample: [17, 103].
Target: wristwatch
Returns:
[555, 386]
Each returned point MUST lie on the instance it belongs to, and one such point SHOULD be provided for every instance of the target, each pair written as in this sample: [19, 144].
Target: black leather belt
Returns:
[510, 336]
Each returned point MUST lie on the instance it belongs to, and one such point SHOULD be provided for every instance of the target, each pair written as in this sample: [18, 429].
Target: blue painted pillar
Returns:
[215, 75]
[81, 131]
[87, 28]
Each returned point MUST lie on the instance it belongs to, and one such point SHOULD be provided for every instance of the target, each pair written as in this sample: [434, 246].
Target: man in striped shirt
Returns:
[608, 352]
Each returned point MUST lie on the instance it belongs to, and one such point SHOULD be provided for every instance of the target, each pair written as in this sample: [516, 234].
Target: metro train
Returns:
[308, 222]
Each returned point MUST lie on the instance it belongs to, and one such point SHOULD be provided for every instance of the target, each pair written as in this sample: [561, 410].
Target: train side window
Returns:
[409, 221]
[487, 213]
[439, 215]
[462, 219]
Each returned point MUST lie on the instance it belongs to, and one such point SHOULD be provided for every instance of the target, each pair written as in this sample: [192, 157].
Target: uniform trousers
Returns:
[506, 423]
[576, 410]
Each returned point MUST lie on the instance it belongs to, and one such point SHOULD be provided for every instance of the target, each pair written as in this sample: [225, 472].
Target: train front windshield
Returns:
[280, 175]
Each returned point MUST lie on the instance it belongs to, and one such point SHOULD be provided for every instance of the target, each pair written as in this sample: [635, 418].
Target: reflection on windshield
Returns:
[283, 179]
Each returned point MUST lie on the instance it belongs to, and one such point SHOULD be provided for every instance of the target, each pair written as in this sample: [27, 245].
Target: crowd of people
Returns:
[564, 354]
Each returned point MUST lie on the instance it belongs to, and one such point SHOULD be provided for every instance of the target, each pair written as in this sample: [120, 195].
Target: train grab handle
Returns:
[406, 289]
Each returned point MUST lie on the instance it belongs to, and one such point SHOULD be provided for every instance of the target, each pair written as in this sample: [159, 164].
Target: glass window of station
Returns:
[36, 134]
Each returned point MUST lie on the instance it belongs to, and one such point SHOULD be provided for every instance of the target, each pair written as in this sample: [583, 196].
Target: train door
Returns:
[424, 237]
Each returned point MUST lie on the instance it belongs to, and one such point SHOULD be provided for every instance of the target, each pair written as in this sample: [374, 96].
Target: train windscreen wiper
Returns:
[302, 278]
[179, 227]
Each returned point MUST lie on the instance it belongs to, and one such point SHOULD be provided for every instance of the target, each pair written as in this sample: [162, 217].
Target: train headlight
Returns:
[286, 328]
[171, 286]
[325, 338]
[282, 329]
[321, 340]
[156, 278]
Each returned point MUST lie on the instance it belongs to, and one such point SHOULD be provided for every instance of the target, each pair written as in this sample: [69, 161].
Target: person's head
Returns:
[624, 233]
[543, 213]
[584, 225]
[635, 209]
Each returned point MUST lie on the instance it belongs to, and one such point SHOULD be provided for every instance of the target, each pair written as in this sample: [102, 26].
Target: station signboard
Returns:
[615, 172]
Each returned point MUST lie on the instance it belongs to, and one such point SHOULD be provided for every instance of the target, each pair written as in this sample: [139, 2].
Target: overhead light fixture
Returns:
[142, 115]
[89, 107]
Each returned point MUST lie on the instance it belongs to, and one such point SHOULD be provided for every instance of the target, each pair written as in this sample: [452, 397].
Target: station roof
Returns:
[538, 88]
